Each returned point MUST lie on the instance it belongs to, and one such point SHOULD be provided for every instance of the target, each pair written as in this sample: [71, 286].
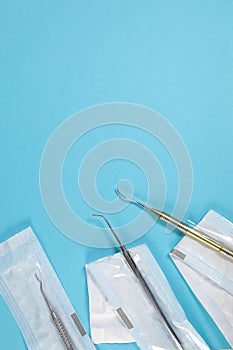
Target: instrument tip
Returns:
[37, 277]
[109, 225]
[132, 200]
[120, 194]
[40, 282]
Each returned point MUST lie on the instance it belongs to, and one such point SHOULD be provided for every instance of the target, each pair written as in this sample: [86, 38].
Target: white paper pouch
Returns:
[120, 311]
[21, 257]
[208, 273]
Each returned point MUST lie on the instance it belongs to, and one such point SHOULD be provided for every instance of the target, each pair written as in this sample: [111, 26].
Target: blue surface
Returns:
[58, 57]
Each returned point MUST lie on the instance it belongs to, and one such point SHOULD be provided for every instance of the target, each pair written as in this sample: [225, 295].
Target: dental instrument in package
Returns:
[209, 274]
[36, 298]
[206, 267]
[131, 300]
[197, 235]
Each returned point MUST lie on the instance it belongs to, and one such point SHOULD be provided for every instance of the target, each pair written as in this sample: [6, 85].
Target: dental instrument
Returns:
[145, 287]
[56, 319]
[179, 225]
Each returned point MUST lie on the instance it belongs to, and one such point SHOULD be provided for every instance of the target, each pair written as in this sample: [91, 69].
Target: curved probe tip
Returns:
[120, 194]
[38, 278]
[40, 282]
[109, 225]
[131, 200]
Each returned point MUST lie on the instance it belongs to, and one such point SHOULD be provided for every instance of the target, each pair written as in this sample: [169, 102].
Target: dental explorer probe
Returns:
[56, 320]
[145, 287]
[187, 230]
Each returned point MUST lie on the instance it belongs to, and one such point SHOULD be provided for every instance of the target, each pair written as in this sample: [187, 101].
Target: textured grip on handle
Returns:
[62, 331]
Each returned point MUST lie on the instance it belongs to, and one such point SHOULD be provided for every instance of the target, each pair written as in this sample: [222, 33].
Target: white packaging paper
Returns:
[21, 257]
[112, 285]
[208, 273]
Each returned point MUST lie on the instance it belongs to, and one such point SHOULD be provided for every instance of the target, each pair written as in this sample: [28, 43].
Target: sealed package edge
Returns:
[36, 297]
[209, 274]
[121, 312]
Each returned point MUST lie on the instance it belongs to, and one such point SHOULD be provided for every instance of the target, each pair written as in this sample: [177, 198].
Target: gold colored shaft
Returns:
[189, 231]
[198, 236]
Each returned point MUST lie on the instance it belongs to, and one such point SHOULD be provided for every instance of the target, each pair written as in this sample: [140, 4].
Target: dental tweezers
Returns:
[56, 319]
[145, 287]
[187, 230]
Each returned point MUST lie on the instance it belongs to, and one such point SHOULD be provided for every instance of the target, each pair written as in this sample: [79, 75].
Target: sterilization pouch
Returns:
[22, 259]
[208, 273]
[120, 311]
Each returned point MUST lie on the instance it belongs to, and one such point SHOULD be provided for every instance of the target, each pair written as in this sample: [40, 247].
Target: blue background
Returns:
[58, 57]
